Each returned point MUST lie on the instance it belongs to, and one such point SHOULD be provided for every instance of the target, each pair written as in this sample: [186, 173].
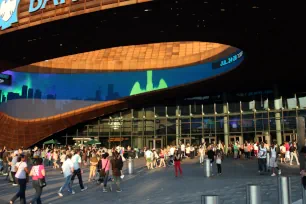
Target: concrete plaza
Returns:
[161, 186]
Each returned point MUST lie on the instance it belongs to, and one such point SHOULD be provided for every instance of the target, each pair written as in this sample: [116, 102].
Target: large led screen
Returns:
[34, 95]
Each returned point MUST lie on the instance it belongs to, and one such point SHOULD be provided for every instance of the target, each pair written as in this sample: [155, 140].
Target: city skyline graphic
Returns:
[149, 86]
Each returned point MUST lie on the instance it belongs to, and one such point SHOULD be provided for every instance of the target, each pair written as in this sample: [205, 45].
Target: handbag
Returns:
[42, 182]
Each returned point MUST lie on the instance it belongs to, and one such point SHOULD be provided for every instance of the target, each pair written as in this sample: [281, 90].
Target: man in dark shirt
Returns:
[117, 165]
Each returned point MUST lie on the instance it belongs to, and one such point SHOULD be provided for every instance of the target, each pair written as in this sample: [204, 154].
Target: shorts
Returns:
[149, 160]
[273, 162]
[283, 155]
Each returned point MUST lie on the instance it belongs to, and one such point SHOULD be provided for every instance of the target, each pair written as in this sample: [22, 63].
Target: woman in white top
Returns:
[21, 176]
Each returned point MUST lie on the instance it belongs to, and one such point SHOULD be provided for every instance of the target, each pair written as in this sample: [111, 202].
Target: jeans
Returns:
[117, 182]
[21, 193]
[106, 178]
[219, 168]
[177, 165]
[262, 164]
[66, 184]
[38, 192]
[13, 177]
[79, 175]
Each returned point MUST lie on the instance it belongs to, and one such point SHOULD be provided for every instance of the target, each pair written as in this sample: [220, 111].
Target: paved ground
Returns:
[161, 186]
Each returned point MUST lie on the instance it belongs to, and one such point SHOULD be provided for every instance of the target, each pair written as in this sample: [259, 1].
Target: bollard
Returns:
[210, 199]
[207, 168]
[303, 195]
[253, 194]
[284, 190]
[130, 165]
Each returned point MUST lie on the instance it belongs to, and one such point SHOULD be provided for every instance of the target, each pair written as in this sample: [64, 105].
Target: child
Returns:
[219, 161]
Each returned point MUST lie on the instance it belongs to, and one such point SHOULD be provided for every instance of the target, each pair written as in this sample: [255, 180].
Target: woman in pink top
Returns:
[37, 172]
[105, 164]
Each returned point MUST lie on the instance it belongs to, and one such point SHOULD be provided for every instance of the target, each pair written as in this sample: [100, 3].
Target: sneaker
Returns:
[15, 184]
[279, 172]
[72, 192]
[84, 189]
[104, 190]
[60, 194]
[273, 174]
[118, 191]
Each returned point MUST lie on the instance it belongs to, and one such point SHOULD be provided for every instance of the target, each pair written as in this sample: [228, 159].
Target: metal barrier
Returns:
[207, 168]
[130, 166]
[253, 194]
[284, 190]
[210, 199]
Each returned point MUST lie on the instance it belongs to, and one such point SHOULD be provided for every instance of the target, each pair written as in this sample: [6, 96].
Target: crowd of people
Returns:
[105, 165]
[21, 164]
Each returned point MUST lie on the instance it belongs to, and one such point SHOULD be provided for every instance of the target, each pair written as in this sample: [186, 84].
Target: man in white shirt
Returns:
[77, 161]
[183, 149]
[149, 158]
[67, 169]
[262, 158]
[273, 158]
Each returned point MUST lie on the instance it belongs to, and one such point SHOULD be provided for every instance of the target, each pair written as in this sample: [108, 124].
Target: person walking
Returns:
[273, 158]
[68, 170]
[13, 167]
[177, 163]
[201, 153]
[105, 167]
[219, 161]
[293, 153]
[162, 158]
[211, 157]
[117, 165]
[21, 175]
[62, 159]
[262, 157]
[93, 167]
[37, 172]
[77, 161]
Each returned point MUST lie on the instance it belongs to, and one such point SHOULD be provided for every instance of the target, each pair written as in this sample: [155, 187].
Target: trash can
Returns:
[130, 166]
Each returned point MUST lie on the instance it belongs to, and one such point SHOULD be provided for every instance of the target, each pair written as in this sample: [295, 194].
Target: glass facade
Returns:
[160, 126]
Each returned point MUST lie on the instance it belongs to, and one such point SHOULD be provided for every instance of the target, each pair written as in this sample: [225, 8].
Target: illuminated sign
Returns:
[227, 61]
[41, 4]
[5, 79]
[9, 10]
[8, 13]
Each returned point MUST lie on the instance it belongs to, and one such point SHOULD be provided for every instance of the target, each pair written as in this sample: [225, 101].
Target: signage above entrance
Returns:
[41, 4]
[17, 14]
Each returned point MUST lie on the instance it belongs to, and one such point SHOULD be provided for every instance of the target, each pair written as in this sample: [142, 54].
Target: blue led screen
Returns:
[45, 95]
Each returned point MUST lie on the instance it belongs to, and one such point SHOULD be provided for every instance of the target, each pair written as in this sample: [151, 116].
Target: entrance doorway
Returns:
[155, 143]
[186, 140]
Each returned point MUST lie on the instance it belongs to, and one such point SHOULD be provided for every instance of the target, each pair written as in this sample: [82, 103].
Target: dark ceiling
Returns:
[269, 32]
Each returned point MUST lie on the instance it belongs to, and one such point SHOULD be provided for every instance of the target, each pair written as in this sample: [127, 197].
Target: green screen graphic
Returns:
[149, 87]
